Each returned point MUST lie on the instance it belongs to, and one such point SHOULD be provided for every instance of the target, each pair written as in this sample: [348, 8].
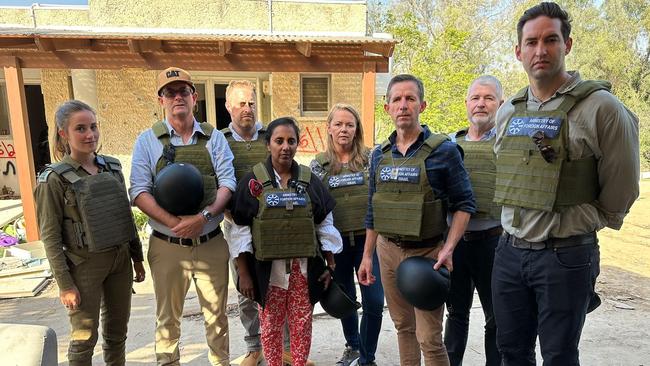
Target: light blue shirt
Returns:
[148, 150]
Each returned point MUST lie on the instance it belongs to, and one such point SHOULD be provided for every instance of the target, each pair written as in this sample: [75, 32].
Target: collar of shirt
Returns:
[488, 135]
[236, 137]
[76, 165]
[195, 128]
[416, 144]
[571, 83]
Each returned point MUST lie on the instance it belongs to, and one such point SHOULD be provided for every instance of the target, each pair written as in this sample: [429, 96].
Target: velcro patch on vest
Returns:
[402, 174]
[285, 199]
[345, 180]
[527, 126]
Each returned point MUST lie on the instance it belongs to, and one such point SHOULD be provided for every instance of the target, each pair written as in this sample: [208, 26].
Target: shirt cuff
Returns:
[329, 236]
[239, 238]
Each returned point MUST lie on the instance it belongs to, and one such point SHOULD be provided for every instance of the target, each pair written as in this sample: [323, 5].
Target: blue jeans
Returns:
[472, 269]
[372, 299]
[542, 292]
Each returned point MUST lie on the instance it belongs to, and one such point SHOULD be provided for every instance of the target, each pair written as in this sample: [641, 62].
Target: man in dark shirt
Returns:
[409, 153]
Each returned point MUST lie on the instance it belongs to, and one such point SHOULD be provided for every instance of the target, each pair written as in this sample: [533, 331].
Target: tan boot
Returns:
[252, 359]
[287, 360]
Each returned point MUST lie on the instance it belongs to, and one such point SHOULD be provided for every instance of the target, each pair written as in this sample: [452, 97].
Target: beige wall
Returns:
[56, 89]
[127, 106]
[288, 16]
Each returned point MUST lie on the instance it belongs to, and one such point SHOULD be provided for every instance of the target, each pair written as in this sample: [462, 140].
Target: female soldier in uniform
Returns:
[89, 254]
[343, 167]
[282, 216]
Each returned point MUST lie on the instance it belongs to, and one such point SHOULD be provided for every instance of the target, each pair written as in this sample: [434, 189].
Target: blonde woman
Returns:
[344, 171]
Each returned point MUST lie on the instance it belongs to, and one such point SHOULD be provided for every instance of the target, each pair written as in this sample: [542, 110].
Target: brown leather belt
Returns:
[425, 243]
[571, 241]
[186, 242]
[483, 234]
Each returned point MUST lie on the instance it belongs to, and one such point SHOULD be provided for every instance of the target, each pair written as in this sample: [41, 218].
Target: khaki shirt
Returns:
[603, 127]
[55, 202]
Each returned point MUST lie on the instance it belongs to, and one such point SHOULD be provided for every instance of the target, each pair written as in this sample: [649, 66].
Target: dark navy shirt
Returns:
[445, 171]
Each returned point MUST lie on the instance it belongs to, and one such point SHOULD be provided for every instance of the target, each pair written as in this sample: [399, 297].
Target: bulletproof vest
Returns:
[524, 177]
[196, 155]
[480, 163]
[350, 190]
[284, 226]
[104, 218]
[246, 153]
[404, 205]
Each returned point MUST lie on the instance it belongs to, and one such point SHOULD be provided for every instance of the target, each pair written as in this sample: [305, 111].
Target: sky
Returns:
[42, 2]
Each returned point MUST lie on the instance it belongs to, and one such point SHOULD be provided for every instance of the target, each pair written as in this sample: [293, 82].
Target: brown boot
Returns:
[252, 359]
[287, 360]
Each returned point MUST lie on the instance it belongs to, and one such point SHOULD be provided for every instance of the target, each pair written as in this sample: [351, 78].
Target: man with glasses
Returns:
[567, 166]
[185, 248]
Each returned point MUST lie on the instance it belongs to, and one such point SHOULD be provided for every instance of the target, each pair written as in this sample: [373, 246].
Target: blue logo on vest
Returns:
[281, 199]
[345, 180]
[401, 174]
[527, 126]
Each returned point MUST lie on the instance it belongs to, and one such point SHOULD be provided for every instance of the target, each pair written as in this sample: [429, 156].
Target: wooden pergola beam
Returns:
[144, 45]
[225, 48]
[44, 44]
[304, 48]
[16, 43]
[22, 142]
[379, 49]
[368, 102]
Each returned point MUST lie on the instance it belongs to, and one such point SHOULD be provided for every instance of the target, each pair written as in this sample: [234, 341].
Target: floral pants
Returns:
[292, 304]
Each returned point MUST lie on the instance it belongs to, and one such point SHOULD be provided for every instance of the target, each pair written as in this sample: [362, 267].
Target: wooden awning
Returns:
[101, 49]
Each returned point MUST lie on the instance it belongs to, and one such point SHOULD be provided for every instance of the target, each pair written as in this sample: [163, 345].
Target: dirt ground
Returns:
[617, 333]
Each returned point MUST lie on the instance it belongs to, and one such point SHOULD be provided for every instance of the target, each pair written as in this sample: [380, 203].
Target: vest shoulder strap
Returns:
[305, 174]
[435, 140]
[112, 163]
[520, 96]
[262, 175]
[586, 87]
[461, 133]
[226, 131]
[66, 171]
[322, 159]
[159, 129]
[207, 129]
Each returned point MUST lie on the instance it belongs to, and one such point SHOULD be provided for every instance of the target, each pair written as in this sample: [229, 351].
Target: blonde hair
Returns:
[61, 118]
[360, 153]
[239, 84]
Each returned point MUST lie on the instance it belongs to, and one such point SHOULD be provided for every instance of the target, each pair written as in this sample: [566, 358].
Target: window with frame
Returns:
[314, 95]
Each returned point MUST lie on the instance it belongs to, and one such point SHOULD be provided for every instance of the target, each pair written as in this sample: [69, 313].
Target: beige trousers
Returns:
[419, 332]
[173, 267]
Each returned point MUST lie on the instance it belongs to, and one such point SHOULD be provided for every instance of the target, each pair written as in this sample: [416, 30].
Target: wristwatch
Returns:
[207, 215]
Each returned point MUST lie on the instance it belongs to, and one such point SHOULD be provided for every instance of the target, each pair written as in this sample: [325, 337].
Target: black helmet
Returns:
[337, 303]
[178, 188]
[421, 285]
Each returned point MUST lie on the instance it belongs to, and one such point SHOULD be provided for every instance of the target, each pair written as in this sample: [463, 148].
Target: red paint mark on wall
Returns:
[311, 141]
[7, 150]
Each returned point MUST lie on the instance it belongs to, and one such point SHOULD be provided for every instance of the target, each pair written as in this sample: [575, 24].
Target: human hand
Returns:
[326, 278]
[70, 298]
[189, 227]
[246, 287]
[445, 256]
[138, 268]
[365, 275]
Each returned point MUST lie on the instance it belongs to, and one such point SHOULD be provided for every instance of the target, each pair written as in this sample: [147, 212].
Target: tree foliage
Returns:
[449, 43]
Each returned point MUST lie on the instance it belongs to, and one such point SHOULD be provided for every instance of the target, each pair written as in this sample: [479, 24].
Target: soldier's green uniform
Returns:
[87, 228]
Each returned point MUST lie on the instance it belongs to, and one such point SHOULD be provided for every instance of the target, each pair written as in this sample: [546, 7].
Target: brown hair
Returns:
[548, 9]
[359, 157]
[61, 118]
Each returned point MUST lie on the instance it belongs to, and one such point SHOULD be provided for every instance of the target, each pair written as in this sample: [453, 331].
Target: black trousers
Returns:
[542, 292]
[472, 269]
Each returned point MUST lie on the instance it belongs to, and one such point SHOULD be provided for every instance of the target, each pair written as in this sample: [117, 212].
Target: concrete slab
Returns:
[10, 210]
